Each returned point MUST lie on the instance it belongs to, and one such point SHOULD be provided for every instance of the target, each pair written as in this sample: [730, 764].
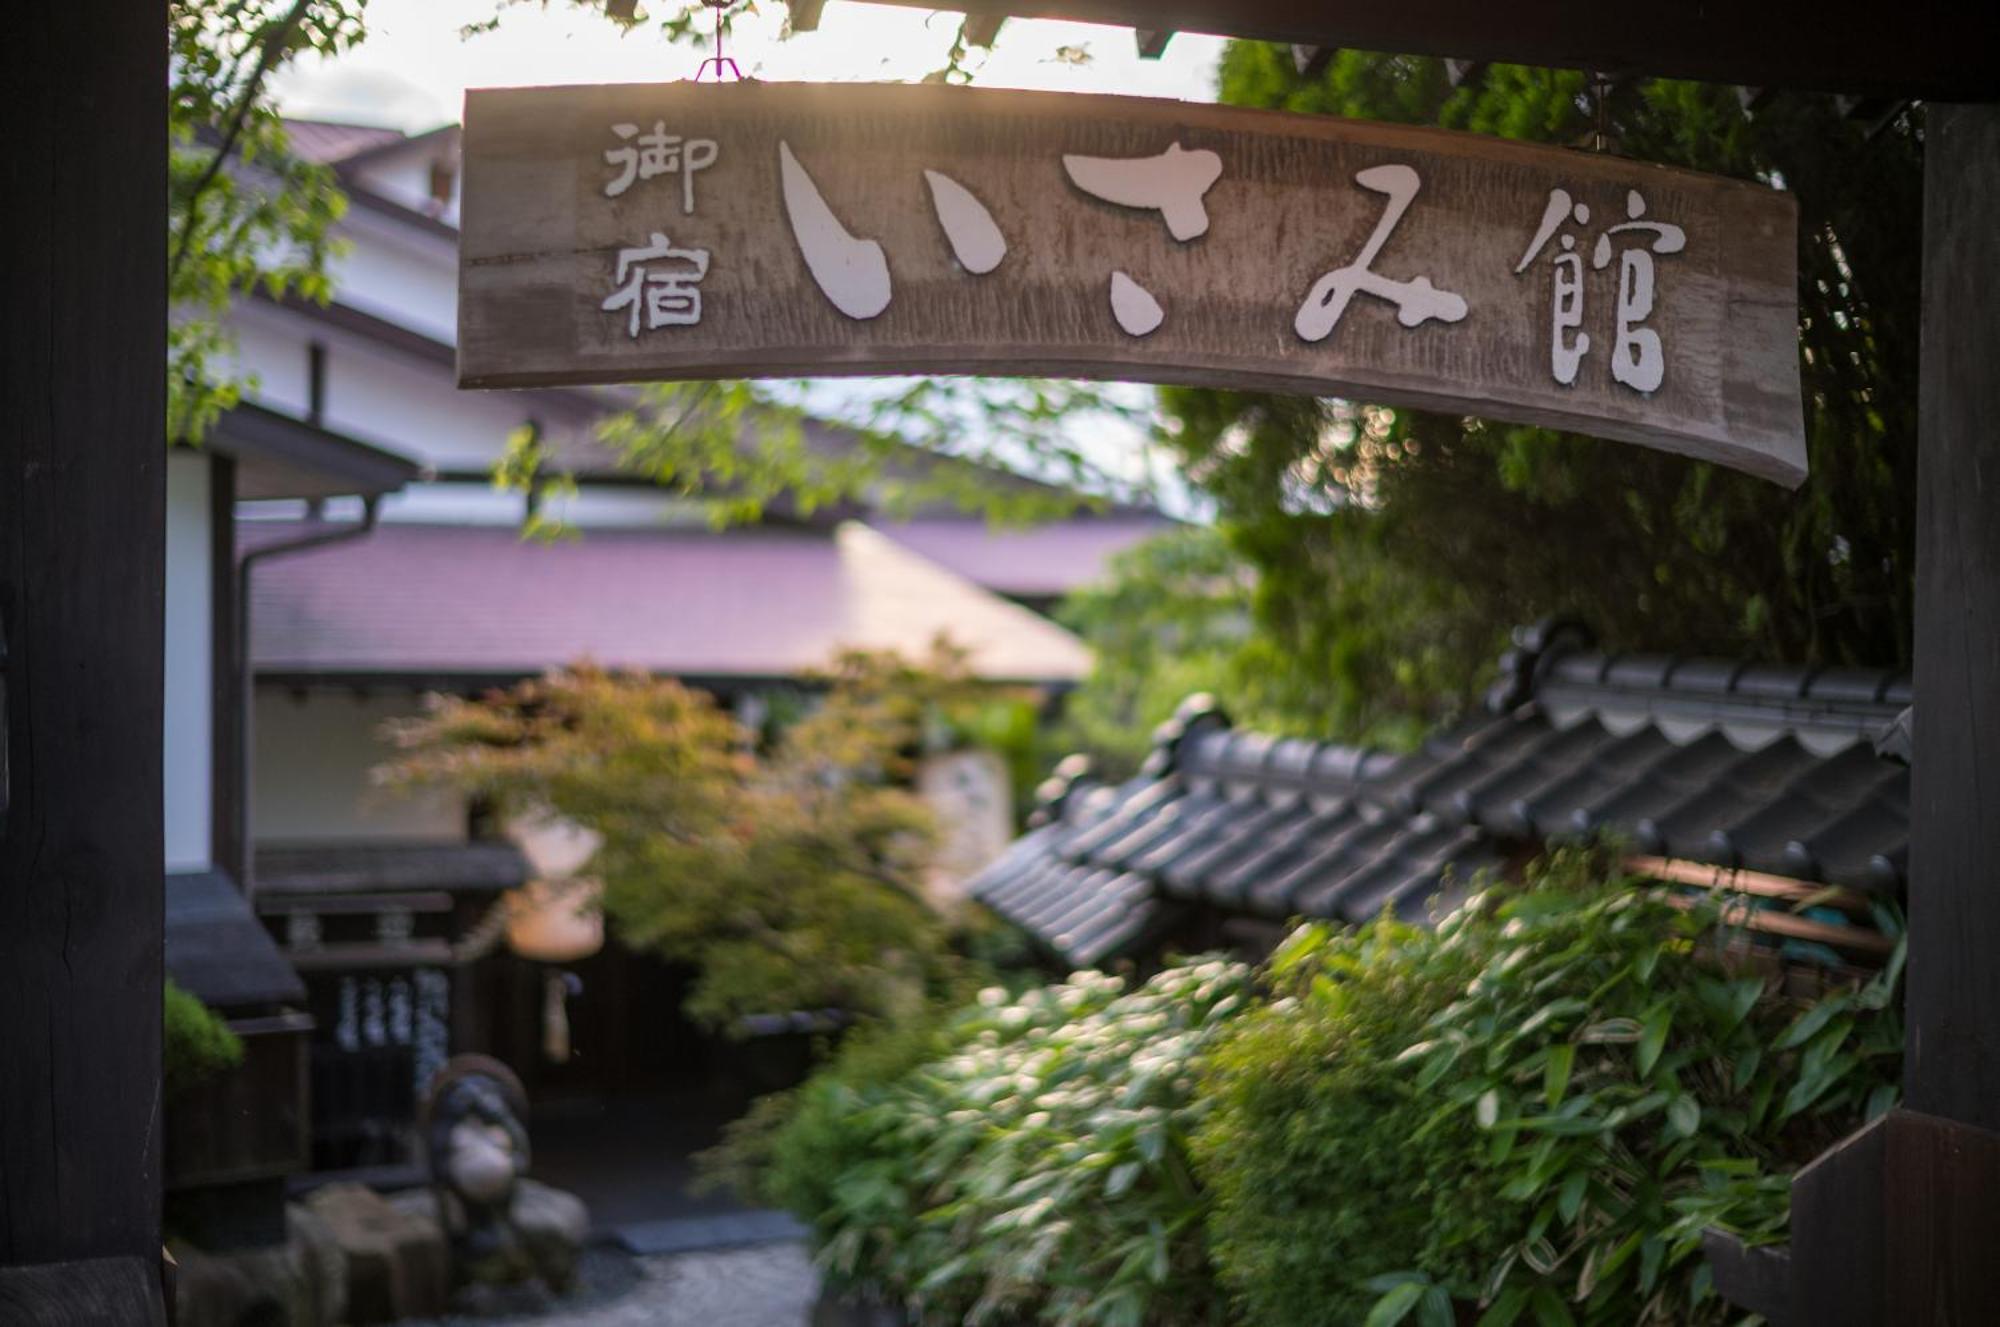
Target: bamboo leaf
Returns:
[1653, 1037]
[1396, 1305]
[1555, 1075]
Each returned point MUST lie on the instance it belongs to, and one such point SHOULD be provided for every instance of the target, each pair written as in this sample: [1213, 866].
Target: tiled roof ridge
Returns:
[1735, 767]
[1555, 666]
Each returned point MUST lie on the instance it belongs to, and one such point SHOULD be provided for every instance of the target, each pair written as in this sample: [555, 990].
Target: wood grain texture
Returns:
[1839, 1244]
[82, 494]
[1952, 1067]
[541, 243]
[1897, 1224]
[95, 1292]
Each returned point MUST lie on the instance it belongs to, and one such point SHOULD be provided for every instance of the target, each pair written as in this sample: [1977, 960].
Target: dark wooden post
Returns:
[82, 474]
[1953, 1068]
[1899, 1224]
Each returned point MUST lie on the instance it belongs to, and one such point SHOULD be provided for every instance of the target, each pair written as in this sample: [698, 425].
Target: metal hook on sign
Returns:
[718, 62]
[1601, 86]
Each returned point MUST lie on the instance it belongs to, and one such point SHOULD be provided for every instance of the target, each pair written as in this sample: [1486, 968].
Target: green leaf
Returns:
[1550, 1311]
[1566, 1126]
[1684, 1116]
[1555, 1075]
[1549, 1012]
[1811, 1021]
[1434, 1309]
[1569, 1198]
[1651, 1252]
[1744, 994]
[1653, 1037]
[1396, 1305]
[1506, 1308]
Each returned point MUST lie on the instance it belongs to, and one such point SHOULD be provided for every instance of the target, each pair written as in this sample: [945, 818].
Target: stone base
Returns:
[552, 1227]
[299, 1283]
[397, 1263]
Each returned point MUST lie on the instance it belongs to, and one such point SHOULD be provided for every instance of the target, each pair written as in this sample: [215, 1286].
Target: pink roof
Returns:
[327, 141]
[438, 601]
[1039, 560]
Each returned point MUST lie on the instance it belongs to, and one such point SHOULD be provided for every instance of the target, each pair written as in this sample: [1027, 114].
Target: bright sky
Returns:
[413, 70]
[414, 67]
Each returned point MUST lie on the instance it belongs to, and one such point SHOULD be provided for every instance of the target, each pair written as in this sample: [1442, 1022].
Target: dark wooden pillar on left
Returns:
[82, 492]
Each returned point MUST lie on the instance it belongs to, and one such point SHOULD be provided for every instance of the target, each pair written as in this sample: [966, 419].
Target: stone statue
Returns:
[478, 1152]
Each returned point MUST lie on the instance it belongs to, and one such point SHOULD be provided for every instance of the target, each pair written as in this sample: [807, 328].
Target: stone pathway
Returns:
[761, 1285]
[766, 1285]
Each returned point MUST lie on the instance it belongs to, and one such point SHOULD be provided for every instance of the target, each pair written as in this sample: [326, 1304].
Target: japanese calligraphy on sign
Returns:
[630, 233]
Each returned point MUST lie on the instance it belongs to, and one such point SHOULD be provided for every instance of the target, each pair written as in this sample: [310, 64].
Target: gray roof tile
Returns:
[1738, 766]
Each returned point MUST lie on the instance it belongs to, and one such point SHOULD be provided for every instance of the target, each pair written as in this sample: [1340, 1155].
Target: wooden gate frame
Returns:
[82, 511]
[1906, 1213]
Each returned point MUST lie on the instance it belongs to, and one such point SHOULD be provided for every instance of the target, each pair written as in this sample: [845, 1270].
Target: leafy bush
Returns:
[789, 877]
[1028, 1162]
[195, 1044]
[1536, 1109]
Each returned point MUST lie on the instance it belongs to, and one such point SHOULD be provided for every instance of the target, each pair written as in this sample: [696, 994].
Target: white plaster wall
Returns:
[271, 351]
[414, 408]
[406, 176]
[393, 272]
[591, 507]
[190, 698]
[313, 755]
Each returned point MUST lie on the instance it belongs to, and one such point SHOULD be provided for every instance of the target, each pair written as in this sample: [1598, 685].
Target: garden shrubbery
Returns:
[196, 1043]
[1035, 1168]
[1536, 1109]
[1527, 1114]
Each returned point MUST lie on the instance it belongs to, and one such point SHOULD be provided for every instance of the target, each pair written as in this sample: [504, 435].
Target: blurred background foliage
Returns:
[1385, 554]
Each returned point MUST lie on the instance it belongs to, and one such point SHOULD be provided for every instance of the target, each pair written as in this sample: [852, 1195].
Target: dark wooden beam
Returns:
[1838, 1243]
[226, 827]
[805, 14]
[1754, 1278]
[1152, 42]
[93, 1292]
[1898, 1223]
[1934, 49]
[1953, 1068]
[82, 498]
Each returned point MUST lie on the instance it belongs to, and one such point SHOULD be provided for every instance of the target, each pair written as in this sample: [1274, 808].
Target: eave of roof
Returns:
[218, 951]
[1045, 559]
[373, 867]
[280, 456]
[755, 602]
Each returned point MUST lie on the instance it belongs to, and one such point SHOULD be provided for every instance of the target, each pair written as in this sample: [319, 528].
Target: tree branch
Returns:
[268, 57]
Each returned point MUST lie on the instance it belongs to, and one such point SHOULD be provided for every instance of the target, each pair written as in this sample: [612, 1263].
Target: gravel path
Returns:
[769, 1285]
[763, 1285]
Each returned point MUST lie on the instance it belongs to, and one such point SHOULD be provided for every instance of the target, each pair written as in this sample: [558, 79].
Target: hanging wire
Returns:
[719, 62]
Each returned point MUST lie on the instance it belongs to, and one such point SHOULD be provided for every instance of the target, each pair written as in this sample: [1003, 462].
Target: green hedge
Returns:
[1527, 1114]
[1036, 1169]
[1533, 1110]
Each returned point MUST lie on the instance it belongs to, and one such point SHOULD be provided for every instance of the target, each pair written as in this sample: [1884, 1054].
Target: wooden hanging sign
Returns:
[682, 231]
